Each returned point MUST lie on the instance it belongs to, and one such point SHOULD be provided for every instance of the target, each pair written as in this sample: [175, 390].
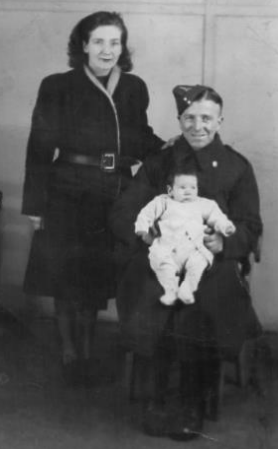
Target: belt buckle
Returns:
[108, 162]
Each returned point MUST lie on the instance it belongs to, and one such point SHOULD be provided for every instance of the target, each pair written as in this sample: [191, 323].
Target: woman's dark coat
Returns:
[74, 114]
[222, 314]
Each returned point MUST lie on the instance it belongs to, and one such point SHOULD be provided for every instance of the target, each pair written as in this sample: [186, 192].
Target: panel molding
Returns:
[213, 15]
[238, 7]
[127, 6]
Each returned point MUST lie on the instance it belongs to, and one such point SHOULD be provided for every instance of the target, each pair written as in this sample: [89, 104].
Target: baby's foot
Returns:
[185, 294]
[169, 298]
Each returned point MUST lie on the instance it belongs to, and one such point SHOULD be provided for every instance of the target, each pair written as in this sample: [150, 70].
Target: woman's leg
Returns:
[65, 314]
[76, 329]
[85, 323]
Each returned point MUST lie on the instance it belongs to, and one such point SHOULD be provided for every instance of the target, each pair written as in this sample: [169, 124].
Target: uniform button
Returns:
[215, 164]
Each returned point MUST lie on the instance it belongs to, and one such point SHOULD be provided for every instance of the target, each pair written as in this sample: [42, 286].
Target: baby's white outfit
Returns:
[180, 244]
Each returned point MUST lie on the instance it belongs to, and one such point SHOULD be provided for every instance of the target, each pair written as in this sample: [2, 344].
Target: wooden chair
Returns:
[239, 369]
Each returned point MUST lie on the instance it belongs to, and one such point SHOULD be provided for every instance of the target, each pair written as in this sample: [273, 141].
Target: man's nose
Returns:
[197, 124]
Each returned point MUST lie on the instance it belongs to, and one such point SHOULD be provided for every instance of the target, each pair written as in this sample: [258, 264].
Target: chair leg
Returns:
[130, 374]
[245, 372]
[245, 363]
[133, 379]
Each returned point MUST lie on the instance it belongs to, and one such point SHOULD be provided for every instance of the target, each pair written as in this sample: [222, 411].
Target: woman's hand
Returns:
[170, 142]
[135, 167]
[213, 241]
[37, 222]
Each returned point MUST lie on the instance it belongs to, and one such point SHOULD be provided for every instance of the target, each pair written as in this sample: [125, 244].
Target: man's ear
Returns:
[169, 189]
[220, 120]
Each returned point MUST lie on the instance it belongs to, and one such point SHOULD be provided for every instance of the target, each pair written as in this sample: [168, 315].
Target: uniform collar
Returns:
[209, 156]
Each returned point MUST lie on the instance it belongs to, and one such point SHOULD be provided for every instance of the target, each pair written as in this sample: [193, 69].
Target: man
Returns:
[222, 317]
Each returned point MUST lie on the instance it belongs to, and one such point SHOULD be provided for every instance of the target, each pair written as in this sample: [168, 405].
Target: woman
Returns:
[89, 128]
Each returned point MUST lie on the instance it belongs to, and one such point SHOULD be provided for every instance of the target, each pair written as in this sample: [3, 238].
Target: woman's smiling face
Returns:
[103, 48]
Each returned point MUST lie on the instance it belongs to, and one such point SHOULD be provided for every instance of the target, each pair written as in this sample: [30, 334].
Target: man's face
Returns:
[200, 122]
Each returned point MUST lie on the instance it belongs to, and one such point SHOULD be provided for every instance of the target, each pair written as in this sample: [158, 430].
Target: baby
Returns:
[182, 217]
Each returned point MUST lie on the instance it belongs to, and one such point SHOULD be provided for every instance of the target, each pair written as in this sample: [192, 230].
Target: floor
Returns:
[38, 411]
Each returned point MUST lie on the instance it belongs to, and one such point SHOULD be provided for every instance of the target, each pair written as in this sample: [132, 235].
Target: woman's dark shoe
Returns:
[188, 424]
[85, 376]
[70, 373]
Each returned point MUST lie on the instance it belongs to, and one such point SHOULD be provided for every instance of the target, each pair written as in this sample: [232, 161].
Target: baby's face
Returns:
[184, 188]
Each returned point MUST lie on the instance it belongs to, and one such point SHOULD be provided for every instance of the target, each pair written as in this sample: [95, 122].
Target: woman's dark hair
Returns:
[210, 94]
[179, 171]
[82, 31]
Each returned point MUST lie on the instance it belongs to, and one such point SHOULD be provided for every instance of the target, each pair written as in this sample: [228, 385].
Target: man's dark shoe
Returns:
[155, 420]
[188, 424]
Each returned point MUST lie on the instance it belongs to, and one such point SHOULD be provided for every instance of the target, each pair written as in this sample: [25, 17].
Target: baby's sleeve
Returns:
[149, 214]
[219, 221]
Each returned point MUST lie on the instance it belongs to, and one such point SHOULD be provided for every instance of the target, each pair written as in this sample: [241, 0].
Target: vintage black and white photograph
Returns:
[138, 216]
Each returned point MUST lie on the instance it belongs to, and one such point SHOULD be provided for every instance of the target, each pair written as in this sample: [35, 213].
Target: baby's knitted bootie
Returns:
[169, 298]
[185, 294]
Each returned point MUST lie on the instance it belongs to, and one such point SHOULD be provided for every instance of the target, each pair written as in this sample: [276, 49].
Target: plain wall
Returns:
[231, 45]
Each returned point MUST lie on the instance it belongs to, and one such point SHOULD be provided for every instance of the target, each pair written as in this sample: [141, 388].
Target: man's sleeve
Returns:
[244, 211]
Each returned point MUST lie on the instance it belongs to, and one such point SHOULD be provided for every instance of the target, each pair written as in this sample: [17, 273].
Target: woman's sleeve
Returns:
[42, 142]
[244, 211]
[151, 142]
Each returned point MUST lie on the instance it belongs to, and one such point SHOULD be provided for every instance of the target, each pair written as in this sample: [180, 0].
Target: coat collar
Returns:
[108, 92]
[207, 157]
[112, 81]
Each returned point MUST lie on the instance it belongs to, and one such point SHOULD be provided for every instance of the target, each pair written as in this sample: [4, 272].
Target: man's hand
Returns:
[213, 241]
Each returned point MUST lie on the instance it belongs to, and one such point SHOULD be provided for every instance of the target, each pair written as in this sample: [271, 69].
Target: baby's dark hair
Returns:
[179, 171]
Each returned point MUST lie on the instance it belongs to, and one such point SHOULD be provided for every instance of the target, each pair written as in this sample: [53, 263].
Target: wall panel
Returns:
[230, 44]
[245, 71]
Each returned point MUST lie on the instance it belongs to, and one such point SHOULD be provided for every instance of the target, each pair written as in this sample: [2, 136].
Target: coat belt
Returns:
[108, 161]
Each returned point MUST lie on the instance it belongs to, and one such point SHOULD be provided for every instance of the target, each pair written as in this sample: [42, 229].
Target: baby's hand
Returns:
[230, 230]
[146, 237]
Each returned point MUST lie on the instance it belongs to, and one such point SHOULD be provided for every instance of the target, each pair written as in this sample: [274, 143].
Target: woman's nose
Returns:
[106, 48]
